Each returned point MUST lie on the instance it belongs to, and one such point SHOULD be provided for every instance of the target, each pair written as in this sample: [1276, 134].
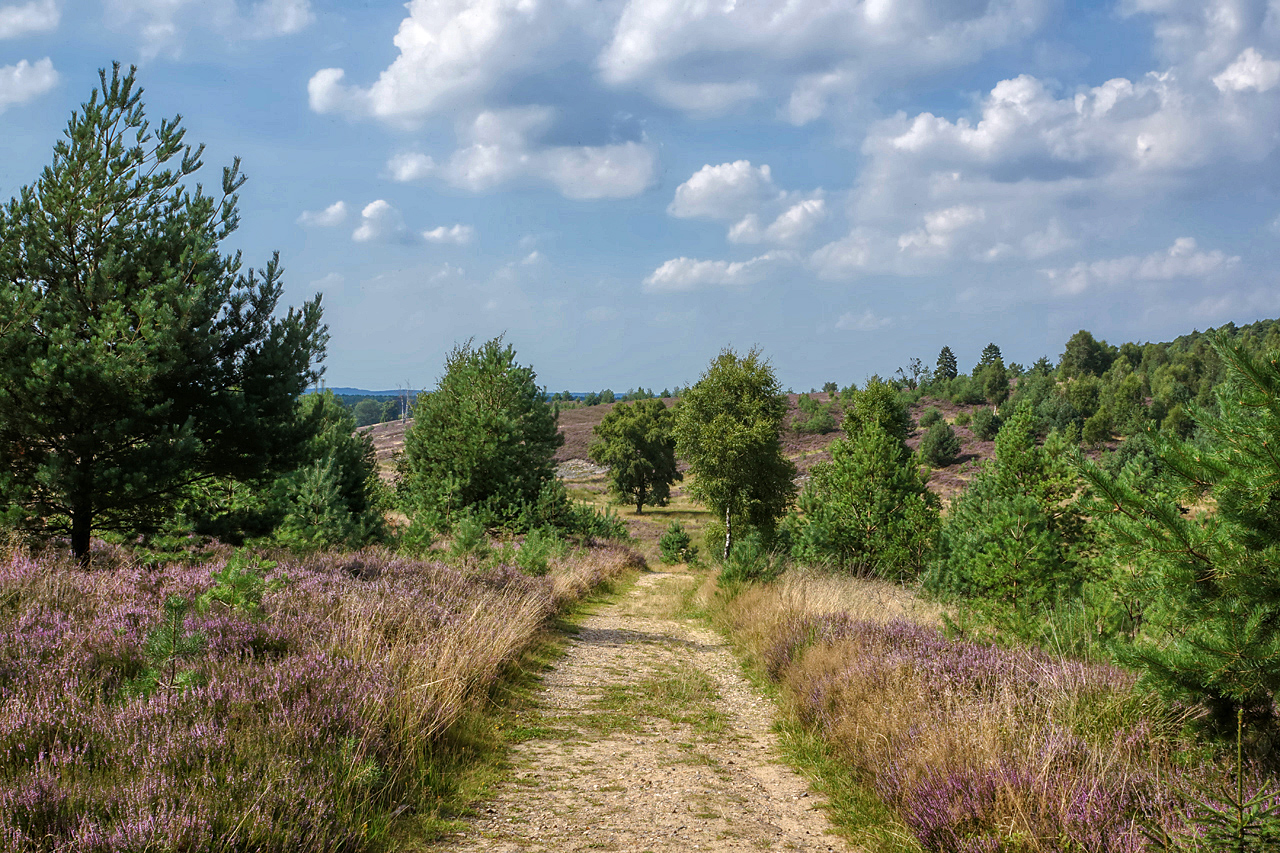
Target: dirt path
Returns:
[649, 739]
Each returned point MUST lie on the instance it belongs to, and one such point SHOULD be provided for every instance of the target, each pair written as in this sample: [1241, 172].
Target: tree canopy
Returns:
[483, 441]
[1211, 577]
[135, 358]
[947, 368]
[637, 443]
[727, 429]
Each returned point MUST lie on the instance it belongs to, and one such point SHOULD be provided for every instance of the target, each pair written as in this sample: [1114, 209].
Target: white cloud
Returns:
[710, 57]
[681, 274]
[279, 18]
[502, 149]
[163, 26]
[38, 16]
[332, 215]
[451, 52]
[330, 284]
[25, 81]
[725, 192]
[792, 226]
[379, 221]
[1249, 71]
[410, 166]
[941, 228]
[867, 321]
[534, 257]
[1182, 260]
[458, 234]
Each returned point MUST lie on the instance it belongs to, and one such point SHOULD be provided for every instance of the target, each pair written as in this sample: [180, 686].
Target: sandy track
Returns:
[649, 739]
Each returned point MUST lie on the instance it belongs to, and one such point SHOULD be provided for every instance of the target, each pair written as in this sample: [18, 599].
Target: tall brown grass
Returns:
[976, 748]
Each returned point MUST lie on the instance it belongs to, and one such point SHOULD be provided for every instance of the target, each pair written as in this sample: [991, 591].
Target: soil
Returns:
[646, 737]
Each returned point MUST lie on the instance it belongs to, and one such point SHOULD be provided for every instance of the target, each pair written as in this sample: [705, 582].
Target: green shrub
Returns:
[470, 539]
[535, 552]
[751, 560]
[986, 424]
[1097, 428]
[929, 417]
[676, 546]
[963, 419]
[940, 447]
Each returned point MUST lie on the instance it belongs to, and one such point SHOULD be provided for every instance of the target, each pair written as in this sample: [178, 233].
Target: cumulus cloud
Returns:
[727, 191]
[792, 226]
[503, 147]
[457, 234]
[710, 57]
[381, 222]
[164, 26]
[1249, 71]
[450, 51]
[38, 16]
[1182, 260]
[410, 166]
[334, 214]
[867, 321]
[25, 81]
[680, 274]
[941, 228]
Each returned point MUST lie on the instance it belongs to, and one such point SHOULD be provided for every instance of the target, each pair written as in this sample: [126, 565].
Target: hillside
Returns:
[587, 481]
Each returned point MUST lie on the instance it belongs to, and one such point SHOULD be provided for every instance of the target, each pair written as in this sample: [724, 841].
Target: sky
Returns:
[626, 187]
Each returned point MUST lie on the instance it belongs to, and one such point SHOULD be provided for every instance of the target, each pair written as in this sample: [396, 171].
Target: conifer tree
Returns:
[1011, 536]
[1211, 577]
[135, 358]
[867, 511]
[947, 367]
[483, 441]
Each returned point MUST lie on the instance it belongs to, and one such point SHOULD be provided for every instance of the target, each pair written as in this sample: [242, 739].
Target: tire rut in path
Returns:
[649, 739]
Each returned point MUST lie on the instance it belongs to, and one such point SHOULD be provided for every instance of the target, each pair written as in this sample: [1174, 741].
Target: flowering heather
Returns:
[978, 748]
[132, 717]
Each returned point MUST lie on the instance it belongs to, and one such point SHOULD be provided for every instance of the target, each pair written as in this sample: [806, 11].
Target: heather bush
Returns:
[217, 708]
[975, 747]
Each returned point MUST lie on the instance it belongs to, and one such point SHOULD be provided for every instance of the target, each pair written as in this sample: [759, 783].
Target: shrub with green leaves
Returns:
[1014, 537]
[940, 446]
[867, 511]
[751, 560]
[985, 424]
[676, 545]
[929, 417]
[964, 419]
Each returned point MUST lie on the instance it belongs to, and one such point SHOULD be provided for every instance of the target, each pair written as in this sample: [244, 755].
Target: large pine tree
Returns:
[135, 358]
[1213, 624]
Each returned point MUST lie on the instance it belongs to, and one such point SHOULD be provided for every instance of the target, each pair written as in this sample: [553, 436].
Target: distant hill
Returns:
[360, 392]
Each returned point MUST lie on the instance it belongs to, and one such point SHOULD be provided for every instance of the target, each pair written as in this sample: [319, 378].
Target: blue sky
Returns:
[624, 187]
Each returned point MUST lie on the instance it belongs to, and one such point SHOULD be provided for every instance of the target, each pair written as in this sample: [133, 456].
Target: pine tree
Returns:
[135, 359]
[483, 441]
[867, 511]
[1211, 578]
[990, 355]
[947, 367]
[1011, 536]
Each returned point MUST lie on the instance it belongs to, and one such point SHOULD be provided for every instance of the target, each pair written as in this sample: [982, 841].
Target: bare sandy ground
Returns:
[647, 738]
